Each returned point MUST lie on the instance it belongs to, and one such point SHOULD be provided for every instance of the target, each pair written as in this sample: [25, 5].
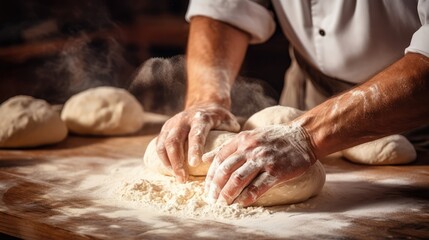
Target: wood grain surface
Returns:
[32, 201]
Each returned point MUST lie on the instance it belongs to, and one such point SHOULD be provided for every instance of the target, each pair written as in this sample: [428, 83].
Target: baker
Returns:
[360, 67]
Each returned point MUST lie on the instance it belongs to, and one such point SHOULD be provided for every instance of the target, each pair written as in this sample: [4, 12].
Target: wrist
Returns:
[316, 135]
[204, 99]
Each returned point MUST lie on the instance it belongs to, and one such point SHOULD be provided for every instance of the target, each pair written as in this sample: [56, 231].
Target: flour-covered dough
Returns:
[29, 122]
[295, 190]
[394, 149]
[271, 116]
[103, 111]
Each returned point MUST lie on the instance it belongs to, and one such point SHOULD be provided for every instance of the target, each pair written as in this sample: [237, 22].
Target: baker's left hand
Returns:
[254, 161]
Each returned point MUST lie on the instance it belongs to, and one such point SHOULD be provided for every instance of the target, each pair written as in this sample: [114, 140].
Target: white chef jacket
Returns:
[350, 40]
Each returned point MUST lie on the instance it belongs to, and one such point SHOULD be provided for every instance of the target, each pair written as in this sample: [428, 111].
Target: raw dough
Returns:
[394, 149]
[272, 115]
[29, 122]
[295, 190]
[103, 111]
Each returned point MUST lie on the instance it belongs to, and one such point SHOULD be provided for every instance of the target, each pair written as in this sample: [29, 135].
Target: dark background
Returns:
[54, 49]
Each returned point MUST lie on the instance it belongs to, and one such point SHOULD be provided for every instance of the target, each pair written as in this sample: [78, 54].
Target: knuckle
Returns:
[224, 170]
[172, 142]
[160, 149]
[197, 138]
[237, 178]
[264, 152]
[272, 170]
[202, 116]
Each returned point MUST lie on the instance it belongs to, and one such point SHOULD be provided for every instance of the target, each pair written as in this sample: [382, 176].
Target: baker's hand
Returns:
[254, 161]
[192, 125]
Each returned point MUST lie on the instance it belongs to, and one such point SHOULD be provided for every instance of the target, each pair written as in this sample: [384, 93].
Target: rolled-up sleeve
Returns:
[246, 15]
[420, 40]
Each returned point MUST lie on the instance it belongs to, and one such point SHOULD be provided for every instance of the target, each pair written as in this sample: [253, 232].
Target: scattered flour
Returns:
[164, 194]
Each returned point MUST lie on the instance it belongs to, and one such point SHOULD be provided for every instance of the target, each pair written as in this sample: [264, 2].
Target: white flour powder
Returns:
[164, 194]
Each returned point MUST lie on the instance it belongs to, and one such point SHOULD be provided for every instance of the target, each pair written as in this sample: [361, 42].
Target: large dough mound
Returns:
[103, 111]
[394, 149]
[271, 116]
[295, 190]
[29, 122]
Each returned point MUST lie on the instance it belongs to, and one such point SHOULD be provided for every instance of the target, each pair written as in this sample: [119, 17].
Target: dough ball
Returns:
[272, 115]
[394, 149]
[214, 139]
[295, 190]
[103, 111]
[29, 122]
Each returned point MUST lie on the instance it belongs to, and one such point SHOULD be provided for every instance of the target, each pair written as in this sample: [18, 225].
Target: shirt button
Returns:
[322, 32]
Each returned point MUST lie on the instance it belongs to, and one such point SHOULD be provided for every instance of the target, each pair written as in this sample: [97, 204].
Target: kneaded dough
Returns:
[271, 116]
[292, 191]
[297, 189]
[394, 149]
[29, 122]
[103, 111]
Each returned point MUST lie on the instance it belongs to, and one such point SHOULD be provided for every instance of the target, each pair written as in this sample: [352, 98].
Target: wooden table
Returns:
[357, 202]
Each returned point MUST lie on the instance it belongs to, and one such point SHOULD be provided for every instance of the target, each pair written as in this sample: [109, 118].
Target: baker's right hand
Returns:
[192, 125]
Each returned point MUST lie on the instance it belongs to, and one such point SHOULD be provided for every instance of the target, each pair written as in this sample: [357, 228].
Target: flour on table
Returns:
[166, 195]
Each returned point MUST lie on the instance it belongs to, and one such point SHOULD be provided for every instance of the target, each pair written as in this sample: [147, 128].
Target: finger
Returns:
[238, 181]
[160, 147]
[208, 156]
[197, 140]
[259, 186]
[175, 147]
[223, 153]
[224, 172]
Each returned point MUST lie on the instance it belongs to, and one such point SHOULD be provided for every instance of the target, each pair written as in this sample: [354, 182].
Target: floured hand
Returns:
[192, 126]
[254, 161]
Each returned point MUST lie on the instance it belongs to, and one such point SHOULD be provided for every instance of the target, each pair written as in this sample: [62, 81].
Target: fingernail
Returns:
[193, 161]
[213, 192]
[244, 197]
[222, 201]
[181, 176]
[204, 158]
[180, 179]
[240, 199]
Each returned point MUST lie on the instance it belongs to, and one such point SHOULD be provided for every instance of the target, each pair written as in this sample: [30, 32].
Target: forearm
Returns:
[214, 55]
[393, 101]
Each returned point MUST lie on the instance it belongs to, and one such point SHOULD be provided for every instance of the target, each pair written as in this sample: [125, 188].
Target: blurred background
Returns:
[54, 49]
